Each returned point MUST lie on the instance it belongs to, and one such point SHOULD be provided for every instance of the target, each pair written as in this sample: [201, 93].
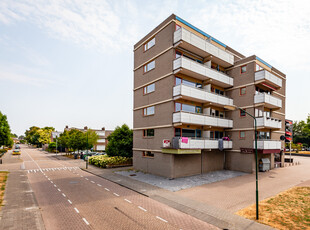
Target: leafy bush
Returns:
[104, 161]
[2, 152]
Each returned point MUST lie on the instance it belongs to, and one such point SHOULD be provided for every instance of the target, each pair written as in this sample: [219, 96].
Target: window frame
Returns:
[144, 111]
[145, 92]
[241, 112]
[240, 92]
[145, 133]
[242, 67]
[146, 44]
[148, 154]
[240, 135]
[145, 70]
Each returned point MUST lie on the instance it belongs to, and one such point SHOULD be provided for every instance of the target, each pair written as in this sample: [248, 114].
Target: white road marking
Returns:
[128, 201]
[86, 222]
[99, 185]
[55, 185]
[107, 189]
[86, 178]
[70, 201]
[48, 178]
[59, 190]
[93, 181]
[81, 176]
[115, 194]
[161, 219]
[52, 182]
[142, 208]
[63, 194]
[76, 210]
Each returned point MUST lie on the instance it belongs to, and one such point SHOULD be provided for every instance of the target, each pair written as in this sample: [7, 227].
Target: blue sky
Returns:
[71, 62]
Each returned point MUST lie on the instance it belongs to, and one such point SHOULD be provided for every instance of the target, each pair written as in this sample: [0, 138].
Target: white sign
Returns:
[166, 143]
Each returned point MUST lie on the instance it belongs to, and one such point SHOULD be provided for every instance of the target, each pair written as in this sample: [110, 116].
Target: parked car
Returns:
[16, 151]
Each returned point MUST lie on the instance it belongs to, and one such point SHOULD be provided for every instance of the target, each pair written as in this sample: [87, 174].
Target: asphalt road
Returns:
[70, 198]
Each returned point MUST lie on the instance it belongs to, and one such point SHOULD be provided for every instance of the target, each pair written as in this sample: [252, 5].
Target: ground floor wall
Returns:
[174, 165]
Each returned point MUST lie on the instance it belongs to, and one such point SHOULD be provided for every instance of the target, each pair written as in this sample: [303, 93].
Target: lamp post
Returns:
[87, 150]
[233, 107]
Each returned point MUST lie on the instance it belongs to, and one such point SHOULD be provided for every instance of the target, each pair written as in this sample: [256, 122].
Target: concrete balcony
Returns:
[265, 76]
[202, 47]
[268, 122]
[199, 71]
[267, 144]
[200, 119]
[203, 144]
[268, 100]
[181, 146]
[201, 95]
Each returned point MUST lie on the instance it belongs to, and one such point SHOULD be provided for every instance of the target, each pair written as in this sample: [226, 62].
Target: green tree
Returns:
[90, 137]
[63, 139]
[32, 136]
[120, 142]
[76, 139]
[301, 132]
[5, 132]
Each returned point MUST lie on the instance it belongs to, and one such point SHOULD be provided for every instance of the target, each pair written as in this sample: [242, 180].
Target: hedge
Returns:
[2, 152]
[105, 161]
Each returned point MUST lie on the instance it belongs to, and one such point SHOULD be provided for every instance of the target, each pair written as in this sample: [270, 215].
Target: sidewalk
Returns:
[20, 209]
[218, 217]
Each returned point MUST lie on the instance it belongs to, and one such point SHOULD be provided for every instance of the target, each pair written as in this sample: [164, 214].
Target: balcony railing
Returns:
[269, 100]
[270, 78]
[202, 47]
[268, 122]
[198, 143]
[201, 71]
[267, 144]
[201, 95]
[200, 119]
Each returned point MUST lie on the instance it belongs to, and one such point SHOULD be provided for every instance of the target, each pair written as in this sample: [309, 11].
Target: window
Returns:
[243, 69]
[149, 66]
[242, 113]
[258, 67]
[178, 54]
[178, 107]
[177, 132]
[189, 83]
[242, 135]
[220, 92]
[149, 89]
[149, 111]
[149, 44]
[242, 91]
[263, 135]
[188, 108]
[221, 114]
[148, 132]
[216, 134]
[147, 154]
[179, 81]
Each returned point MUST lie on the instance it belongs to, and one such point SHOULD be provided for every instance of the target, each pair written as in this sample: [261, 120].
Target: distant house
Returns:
[102, 134]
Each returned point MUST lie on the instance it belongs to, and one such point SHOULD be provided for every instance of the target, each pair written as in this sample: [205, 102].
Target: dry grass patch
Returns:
[3, 178]
[287, 210]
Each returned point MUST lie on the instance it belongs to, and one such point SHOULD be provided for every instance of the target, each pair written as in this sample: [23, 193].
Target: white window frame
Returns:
[147, 90]
[149, 66]
[149, 44]
[148, 111]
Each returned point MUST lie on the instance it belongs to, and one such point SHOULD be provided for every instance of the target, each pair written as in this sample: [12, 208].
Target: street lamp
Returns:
[233, 107]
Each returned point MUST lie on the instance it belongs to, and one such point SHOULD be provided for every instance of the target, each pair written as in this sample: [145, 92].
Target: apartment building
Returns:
[102, 133]
[184, 79]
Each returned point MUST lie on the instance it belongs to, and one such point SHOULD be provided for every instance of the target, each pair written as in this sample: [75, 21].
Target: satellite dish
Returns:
[282, 138]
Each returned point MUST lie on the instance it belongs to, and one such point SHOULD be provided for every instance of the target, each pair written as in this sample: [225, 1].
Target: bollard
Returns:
[0, 161]
[87, 163]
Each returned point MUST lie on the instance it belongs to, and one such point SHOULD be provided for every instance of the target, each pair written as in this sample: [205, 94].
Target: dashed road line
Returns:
[86, 222]
[143, 209]
[93, 182]
[158, 217]
[128, 201]
[99, 185]
[59, 190]
[115, 194]
[52, 182]
[76, 210]
[81, 176]
[63, 194]
[55, 185]
[107, 189]
[70, 201]
[86, 178]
